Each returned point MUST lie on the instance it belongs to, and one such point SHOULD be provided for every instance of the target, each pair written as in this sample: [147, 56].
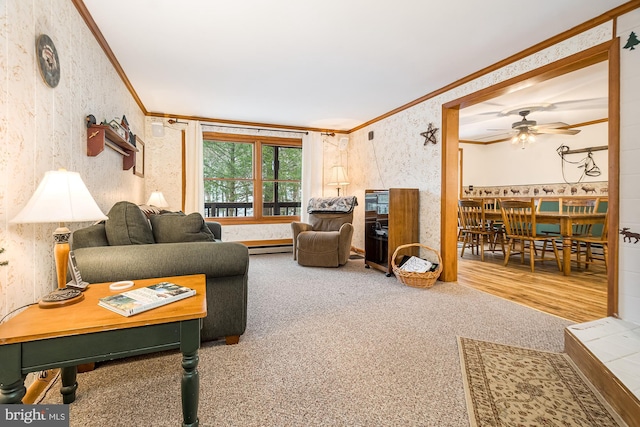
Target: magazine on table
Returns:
[142, 299]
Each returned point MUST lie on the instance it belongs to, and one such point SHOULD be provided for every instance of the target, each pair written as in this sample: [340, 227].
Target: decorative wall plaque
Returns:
[48, 61]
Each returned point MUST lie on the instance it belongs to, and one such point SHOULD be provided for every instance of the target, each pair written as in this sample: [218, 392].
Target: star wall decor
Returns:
[430, 134]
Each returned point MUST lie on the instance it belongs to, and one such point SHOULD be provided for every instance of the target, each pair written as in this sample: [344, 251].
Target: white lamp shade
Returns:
[60, 197]
[338, 176]
[157, 199]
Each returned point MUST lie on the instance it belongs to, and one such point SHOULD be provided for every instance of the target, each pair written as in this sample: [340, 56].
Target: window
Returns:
[240, 169]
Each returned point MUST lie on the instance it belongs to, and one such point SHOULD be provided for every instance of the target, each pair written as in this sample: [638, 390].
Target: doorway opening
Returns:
[450, 167]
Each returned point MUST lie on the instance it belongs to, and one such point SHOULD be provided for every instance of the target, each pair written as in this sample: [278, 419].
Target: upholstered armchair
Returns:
[326, 240]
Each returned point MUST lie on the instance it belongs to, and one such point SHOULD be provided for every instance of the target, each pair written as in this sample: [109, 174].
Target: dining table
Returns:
[565, 220]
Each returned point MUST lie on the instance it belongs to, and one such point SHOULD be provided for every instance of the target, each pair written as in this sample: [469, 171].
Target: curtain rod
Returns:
[258, 129]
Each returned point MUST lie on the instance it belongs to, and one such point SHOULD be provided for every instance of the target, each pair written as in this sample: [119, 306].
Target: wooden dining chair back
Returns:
[475, 229]
[460, 227]
[590, 242]
[519, 218]
[490, 202]
[580, 206]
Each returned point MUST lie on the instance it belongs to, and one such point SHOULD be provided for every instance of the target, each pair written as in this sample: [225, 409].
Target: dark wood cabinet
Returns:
[391, 220]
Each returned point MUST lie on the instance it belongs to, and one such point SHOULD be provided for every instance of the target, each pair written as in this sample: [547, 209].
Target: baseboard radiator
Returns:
[269, 246]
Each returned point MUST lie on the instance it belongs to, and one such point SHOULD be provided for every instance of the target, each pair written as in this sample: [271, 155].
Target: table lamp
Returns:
[338, 177]
[61, 197]
[157, 199]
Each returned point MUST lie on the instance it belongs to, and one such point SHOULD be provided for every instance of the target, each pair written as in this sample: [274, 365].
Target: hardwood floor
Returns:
[580, 297]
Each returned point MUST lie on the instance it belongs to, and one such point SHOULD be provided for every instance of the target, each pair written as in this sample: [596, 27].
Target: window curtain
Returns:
[312, 154]
[194, 185]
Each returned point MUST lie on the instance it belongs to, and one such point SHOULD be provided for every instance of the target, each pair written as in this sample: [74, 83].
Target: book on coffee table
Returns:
[142, 299]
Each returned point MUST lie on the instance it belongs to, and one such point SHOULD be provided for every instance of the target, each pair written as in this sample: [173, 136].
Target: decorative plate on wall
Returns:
[48, 60]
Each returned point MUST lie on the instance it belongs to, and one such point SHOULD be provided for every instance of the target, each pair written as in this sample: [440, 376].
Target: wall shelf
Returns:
[100, 135]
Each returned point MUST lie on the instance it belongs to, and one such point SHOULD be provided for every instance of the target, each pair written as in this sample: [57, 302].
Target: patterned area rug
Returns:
[512, 386]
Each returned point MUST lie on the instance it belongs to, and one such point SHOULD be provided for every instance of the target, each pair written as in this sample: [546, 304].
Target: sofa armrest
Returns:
[94, 235]
[297, 228]
[131, 262]
[216, 229]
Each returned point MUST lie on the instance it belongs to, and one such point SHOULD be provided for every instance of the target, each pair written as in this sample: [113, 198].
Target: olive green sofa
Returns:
[128, 246]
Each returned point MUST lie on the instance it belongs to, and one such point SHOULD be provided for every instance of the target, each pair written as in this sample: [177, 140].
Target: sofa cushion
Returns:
[127, 225]
[176, 227]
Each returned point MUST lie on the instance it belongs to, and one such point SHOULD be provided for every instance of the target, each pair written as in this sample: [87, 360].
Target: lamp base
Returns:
[61, 298]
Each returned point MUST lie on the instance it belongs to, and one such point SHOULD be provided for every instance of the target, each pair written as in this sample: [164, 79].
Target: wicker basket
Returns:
[417, 280]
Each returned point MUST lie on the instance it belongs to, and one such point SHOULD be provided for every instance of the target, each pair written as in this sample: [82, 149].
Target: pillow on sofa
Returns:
[127, 225]
[175, 227]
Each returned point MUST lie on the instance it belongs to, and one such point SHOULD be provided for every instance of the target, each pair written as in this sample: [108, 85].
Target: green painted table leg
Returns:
[69, 384]
[12, 388]
[190, 389]
[12, 393]
[190, 342]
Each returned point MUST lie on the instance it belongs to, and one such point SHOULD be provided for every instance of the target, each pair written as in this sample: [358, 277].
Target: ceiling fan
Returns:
[532, 126]
[525, 130]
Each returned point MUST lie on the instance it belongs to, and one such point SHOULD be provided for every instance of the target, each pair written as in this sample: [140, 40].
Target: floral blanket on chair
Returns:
[332, 204]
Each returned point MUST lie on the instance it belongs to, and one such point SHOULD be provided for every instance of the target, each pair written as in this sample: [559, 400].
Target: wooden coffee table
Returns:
[38, 339]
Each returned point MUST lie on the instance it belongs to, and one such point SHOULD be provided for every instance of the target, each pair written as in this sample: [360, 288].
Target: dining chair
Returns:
[496, 224]
[591, 241]
[519, 219]
[475, 228]
[460, 228]
[490, 202]
[580, 206]
[571, 206]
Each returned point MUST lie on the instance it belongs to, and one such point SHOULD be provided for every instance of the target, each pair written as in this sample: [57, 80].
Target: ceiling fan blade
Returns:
[558, 131]
[552, 125]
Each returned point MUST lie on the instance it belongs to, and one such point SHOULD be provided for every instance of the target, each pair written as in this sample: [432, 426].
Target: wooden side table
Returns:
[39, 339]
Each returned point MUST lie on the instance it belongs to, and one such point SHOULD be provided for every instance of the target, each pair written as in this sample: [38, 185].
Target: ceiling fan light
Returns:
[532, 138]
[514, 140]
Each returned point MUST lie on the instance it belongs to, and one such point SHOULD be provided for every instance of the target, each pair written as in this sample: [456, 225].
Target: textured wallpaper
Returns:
[43, 128]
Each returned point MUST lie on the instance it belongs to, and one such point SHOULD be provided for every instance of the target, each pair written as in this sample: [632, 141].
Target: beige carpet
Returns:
[513, 386]
[324, 347]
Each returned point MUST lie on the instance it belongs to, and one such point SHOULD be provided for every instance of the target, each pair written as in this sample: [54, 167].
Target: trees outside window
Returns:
[240, 169]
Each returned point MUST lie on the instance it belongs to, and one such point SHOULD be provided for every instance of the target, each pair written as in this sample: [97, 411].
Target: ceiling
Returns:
[574, 98]
[329, 64]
